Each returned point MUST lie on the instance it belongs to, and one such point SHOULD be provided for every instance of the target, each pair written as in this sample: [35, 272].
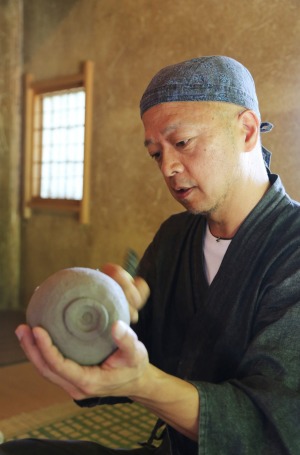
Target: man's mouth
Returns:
[183, 192]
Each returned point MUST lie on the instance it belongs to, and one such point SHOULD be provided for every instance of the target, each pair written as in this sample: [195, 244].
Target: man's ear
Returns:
[249, 124]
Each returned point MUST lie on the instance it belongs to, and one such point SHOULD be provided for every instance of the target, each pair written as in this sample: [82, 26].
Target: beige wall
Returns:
[129, 40]
[10, 70]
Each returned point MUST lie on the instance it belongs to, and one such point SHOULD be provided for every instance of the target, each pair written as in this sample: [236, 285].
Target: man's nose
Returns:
[170, 164]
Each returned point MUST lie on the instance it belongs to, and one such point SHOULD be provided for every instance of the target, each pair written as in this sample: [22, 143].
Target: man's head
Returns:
[209, 78]
[201, 119]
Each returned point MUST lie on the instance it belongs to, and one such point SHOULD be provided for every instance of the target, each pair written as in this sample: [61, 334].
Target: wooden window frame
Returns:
[34, 89]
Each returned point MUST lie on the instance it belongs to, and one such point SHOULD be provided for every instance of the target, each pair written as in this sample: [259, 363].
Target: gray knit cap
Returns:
[211, 78]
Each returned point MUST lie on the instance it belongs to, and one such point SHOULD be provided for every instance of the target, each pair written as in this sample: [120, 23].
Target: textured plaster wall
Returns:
[10, 70]
[129, 40]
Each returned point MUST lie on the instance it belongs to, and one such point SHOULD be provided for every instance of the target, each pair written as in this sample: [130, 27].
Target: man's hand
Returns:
[127, 372]
[119, 375]
[135, 289]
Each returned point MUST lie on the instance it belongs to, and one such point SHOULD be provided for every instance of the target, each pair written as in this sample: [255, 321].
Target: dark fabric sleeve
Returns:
[96, 401]
[258, 411]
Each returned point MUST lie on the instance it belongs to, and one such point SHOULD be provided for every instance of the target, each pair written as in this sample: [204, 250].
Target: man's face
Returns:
[196, 146]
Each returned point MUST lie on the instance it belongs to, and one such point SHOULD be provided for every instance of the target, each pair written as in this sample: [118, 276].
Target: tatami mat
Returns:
[121, 425]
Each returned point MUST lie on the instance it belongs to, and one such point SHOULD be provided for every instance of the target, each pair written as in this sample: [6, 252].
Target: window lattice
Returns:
[58, 158]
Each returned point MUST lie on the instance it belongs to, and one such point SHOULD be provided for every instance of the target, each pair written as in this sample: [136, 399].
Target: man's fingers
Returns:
[143, 290]
[117, 272]
[29, 346]
[135, 289]
[65, 368]
[130, 350]
[45, 357]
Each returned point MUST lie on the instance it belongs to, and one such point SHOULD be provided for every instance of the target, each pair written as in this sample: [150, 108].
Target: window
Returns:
[57, 143]
[58, 161]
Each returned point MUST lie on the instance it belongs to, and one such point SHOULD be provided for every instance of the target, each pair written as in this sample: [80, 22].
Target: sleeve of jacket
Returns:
[258, 411]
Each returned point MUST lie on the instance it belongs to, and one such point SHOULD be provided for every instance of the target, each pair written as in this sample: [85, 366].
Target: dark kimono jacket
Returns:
[237, 340]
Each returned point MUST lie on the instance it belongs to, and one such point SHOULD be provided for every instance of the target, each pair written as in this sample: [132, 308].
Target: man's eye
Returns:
[182, 143]
[155, 156]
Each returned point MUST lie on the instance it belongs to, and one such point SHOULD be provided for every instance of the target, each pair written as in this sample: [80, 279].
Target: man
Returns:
[217, 297]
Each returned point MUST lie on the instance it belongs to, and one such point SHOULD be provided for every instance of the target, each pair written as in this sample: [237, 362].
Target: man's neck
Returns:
[225, 223]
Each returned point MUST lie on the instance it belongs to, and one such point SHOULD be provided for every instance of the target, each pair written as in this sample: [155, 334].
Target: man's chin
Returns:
[194, 210]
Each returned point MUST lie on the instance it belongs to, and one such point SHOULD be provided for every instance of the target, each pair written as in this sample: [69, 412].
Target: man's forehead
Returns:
[167, 118]
[179, 113]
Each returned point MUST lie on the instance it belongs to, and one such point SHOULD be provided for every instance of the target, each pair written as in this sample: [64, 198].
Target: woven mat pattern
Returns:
[117, 426]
